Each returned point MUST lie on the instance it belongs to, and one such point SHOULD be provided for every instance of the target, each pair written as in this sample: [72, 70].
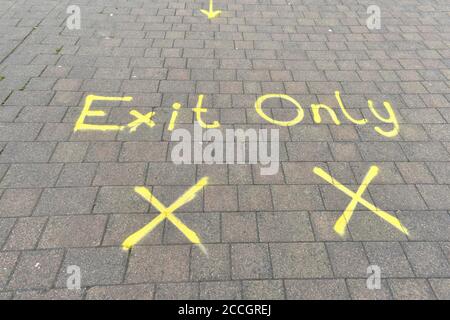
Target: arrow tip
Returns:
[211, 14]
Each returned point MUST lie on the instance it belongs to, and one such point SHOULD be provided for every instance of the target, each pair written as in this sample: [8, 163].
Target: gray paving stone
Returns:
[348, 259]
[359, 291]
[169, 194]
[103, 151]
[254, 198]
[411, 289]
[6, 295]
[263, 290]
[396, 197]
[19, 152]
[36, 269]
[119, 174]
[77, 175]
[322, 224]
[217, 174]
[25, 234]
[366, 226]
[98, 266]
[66, 201]
[426, 226]
[52, 294]
[22, 98]
[122, 292]
[119, 200]
[302, 172]
[158, 264]
[284, 227]
[300, 260]
[389, 256]
[381, 151]
[171, 174]
[221, 198]
[425, 151]
[177, 291]
[70, 152]
[18, 202]
[31, 175]
[239, 227]
[308, 151]
[427, 259]
[215, 265]
[250, 261]
[296, 197]
[316, 289]
[73, 231]
[441, 288]
[220, 290]
[9, 260]
[206, 225]
[143, 151]
[120, 226]
[436, 196]
[415, 172]
[19, 131]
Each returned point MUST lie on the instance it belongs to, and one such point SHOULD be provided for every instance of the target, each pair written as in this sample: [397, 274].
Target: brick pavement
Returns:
[66, 198]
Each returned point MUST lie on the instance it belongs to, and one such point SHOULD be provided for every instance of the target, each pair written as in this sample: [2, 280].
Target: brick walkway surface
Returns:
[67, 198]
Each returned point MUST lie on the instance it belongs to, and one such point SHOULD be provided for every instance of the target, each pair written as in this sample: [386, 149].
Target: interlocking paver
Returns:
[239, 227]
[31, 176]
[9, 260]
[214, 266]
[18, 202]
[98, 266]
[73, 231]
[300, 260]
[52, 294]
[25, 234]
[167, 263]
[220, 290]
[250, 261]
[359, 291]
[411, 289]
[427, 259]
[316, 289]
[121, 292]
[66, 201]
[348, 259]
[263, 289]
[36, 269]
[284, 227]
[177, 291]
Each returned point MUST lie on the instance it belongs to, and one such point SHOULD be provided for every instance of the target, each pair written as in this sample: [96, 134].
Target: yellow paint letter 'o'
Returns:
[297, 119]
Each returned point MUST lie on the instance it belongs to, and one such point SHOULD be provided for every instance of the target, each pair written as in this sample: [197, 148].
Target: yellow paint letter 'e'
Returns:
[86, 112]
[392, 119]
[297, 119]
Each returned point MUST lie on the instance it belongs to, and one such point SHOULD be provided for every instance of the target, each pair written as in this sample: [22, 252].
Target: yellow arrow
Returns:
[211, 14]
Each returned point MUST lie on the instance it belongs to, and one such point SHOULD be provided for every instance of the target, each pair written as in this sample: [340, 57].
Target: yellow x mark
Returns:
[167, 213]
[344, 219]
[140, 119]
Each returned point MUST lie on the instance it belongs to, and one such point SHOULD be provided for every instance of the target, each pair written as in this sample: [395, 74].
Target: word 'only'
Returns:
[316, 109]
